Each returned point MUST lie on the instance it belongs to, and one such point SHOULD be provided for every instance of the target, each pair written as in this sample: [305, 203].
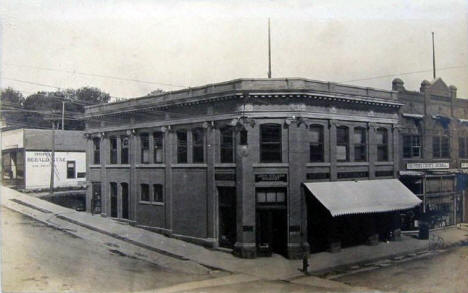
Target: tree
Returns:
[155, 92]
[91, 96]
[11, 106]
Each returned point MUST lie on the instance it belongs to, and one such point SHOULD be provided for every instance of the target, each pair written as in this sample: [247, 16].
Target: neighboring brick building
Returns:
[434, 151]
[26, 158]
[247, 164]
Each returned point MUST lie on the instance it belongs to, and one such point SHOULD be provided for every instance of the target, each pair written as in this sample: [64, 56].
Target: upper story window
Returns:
[270, 143]
[243, 137]
[181, 146]
[411, 146]
[316, 149]
[342, 143]
[382, 144]
[463, 146]
[158, 147]
[227, 145]
[441, 146]
[144, 138]
[113, 150]
[360, 144]
[124, 150]
[198, 145]
[96, 150]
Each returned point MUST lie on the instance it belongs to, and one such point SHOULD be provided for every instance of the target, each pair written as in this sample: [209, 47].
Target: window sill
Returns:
[270, 165]
[225, 165]
[150, 165]
[153, 203]
[352, 164]
[386, 163]
[318, 164]
[118, 166]
[189, 165]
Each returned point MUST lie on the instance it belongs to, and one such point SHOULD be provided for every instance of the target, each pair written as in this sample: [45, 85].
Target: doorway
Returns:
[227, 216]
[113, 199]
[271, 221]
[124, 200]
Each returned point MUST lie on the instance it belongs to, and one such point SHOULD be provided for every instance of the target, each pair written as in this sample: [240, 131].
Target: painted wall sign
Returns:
[271, 177]
[420, 166]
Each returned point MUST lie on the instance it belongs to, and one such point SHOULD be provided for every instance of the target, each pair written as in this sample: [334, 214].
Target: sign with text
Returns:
[464, 165]
[421, 166]
[271, 177]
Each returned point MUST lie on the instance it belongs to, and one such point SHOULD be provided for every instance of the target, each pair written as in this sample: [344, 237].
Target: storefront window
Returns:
[316, 143]
[270, 143]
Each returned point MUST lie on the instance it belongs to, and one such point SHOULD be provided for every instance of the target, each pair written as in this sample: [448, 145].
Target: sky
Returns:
[130, 48]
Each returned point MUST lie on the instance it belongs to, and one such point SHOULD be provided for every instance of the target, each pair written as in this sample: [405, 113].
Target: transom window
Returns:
[316, 150]
[271, 196]
[342, 143]
[270, 143]
[382, 144]
[411, 146]
[360, 144]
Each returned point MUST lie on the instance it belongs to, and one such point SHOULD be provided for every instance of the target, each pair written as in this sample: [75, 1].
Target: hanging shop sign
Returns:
[420, 166]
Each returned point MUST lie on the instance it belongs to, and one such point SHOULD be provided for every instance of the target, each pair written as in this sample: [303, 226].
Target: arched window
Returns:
[316, 149]
[270, 143]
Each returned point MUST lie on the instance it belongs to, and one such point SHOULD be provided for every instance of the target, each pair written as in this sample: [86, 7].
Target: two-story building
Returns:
[434, 151]
[256, 165]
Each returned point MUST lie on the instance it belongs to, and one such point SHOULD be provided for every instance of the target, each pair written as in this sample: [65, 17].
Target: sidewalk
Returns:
[268, 268]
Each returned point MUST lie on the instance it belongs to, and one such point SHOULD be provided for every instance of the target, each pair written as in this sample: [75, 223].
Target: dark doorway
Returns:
[113, 199]
[96, 198]
[227, 216]
[124, 200]
[271, 221]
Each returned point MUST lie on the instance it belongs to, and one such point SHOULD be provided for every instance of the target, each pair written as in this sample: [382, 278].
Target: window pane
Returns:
[316, 152]
[341, 153]
[342, 135]
[436, 147]
[227, 145]
[158, 138]
[124, 150]
[157, 193]
[360, 153]
[271, 196]
[261, 197]
[280, 196]
[181, 146]
[359, 136]
[144, 148]
[145, 192]
[198, 145]
[270, 144]
[445, 147]
[316, 135]
[461, 147]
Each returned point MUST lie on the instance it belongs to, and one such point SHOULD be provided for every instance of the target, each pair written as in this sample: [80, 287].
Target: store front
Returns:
[348, 213]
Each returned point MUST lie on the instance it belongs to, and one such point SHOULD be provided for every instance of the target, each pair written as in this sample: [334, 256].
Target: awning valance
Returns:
[360, 197]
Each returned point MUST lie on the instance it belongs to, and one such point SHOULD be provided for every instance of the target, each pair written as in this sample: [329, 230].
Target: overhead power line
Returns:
[96, 75]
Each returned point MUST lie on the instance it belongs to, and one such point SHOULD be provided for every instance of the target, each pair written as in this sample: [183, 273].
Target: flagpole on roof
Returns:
[433, 58]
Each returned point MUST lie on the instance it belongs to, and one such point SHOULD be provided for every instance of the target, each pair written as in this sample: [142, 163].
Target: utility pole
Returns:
[63, 115]
[433, 58]
[52, 161]
[269, 50]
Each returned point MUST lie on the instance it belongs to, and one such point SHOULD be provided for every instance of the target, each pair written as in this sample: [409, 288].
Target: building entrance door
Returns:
[113, 200]
[124, 200]
[227, 216]
[271, 221]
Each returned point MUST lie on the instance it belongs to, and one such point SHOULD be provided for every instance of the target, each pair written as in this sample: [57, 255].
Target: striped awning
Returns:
[361, 197]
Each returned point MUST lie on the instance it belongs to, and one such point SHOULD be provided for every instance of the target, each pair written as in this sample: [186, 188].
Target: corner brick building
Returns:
[256, 165]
